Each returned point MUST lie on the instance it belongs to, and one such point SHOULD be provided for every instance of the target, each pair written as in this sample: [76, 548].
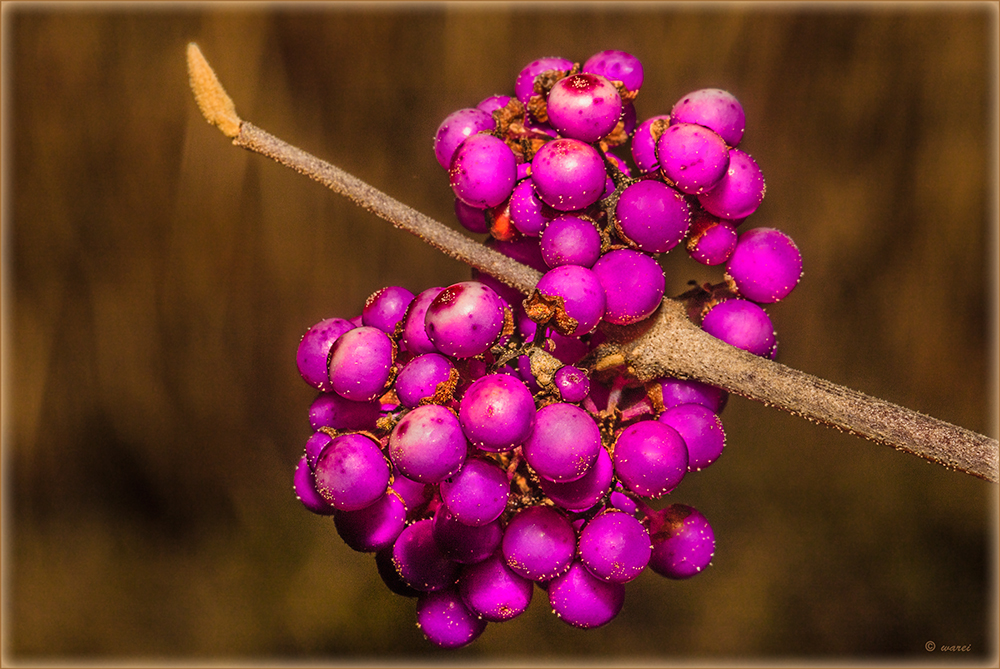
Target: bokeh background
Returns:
[157, 280]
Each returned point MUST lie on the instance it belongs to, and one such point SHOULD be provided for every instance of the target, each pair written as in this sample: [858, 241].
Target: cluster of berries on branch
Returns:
[462, 434]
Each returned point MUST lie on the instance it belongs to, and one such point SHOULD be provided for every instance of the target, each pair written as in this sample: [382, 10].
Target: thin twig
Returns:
[668, 344]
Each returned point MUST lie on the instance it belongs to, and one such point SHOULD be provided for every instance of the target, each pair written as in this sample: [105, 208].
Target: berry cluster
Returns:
[462, 435]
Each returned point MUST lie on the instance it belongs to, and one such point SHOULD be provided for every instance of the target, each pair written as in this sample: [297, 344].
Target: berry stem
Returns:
[666, 344]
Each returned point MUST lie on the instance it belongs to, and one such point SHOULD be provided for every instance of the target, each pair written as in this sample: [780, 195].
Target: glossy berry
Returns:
[739, 192]
[351, 472]
[429, 377]
[586, 491]
[427, 444]
[462, 543]
[615, 547]
[332, 410]
[568, 174]
[701, 430]
[570, 240]
[524, 85]
[643, 146]
[527, 211]
[633, 285]
[572, 383]
[584, 106]
[564, 442]
[674, 392]
[742, 324]
[361, 363]
[650, 458]
[683, 542]
[314, 350]
[472, 219]
[582, 297]
[765, 266]
[456, 128]
[539, 543]
[693, 157]
[653, 216]
[419, 561]
[711, 240]
[414, 335]
[616, 65]
[713, 108]
[465, 319]
[497, 413]
[304, 485]
[483, 171]
[386, 308]
[446, 621]
[582, 600]
[492, 590]
[374, 527]
[478, 493]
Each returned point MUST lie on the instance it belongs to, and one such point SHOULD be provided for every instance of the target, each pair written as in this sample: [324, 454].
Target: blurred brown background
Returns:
[157, 280]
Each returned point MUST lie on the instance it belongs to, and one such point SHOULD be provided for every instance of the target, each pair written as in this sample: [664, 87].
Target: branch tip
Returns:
[213, 101]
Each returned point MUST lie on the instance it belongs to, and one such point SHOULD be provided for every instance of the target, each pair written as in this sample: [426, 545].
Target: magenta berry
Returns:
[739, 192]
[694, 158]
[742, 324]
[713, 108]
[616, 65]
[568, 174]
[456, 128]
[653, 216]
[483, 171]
[465, 319]
[633, 285]
[765, 265]
[584, 106]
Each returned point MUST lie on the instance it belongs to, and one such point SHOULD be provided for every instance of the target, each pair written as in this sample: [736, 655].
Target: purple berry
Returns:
[456, 128]
[428, 445]
[739, 192]
[582, 600]
[683, 542]
[564, 443]
[493, 590]
[568, 174]
[386, 307]
[478, 493]
[465, 544]
[414, 336]
[465, 319]
[615, 547]
[472, 219]
[616, 66]
[585, 492]
[332, 410]
[765, 266]
[653, 216]
[419, 561]
[572, 383]
[633, 285]
[527, 211]
[427, 378]
[570, 240]
[715, 109]
[539, 543]
[650, 458]
[361, 363]
[742, 324]
[584, 106]
[582, 295]
[524, 85]
[304, 485]
[351, 472]
[494, 102]
[702, 432]
[446, 621]
[674, 392]
[314, 350]
[374, 527]
[497, 413]
[483, 171]
[314, 446]
[693, 157]
[711, 240]
[644, 146]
